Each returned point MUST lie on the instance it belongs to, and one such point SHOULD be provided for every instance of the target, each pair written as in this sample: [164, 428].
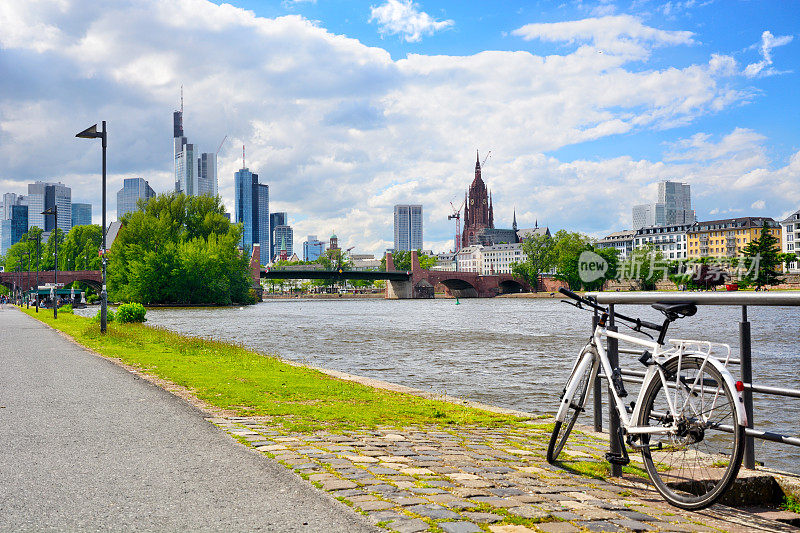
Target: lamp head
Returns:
[89, 133]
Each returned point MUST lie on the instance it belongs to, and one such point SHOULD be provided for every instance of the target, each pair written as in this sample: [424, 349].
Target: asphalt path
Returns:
[87, 446]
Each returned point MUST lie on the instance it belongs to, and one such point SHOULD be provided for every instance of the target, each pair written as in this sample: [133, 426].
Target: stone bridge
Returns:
[459, 284]
[26, 280]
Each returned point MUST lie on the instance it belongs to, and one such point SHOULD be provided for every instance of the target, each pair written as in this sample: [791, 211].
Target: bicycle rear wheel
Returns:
[696, 463]
[562, 429]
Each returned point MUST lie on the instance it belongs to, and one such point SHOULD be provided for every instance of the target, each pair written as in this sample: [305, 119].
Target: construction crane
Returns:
[457, 216]
[487, 157]
[220, 145]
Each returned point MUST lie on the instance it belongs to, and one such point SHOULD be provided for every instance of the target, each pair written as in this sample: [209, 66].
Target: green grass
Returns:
[599, 469]
[790, 503]
[251, 384]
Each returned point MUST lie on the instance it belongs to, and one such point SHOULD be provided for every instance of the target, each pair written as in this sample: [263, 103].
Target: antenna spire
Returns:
[181, 99]
[243, 157]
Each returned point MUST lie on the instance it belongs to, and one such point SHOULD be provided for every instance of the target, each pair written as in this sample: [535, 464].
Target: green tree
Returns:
[567, 249]
[179, 249]
[762, 258]
[402, 260]
[540, 254]
[645, 266]
[80, 248]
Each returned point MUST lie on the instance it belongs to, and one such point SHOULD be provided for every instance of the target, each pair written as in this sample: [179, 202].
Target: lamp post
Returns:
[92, 133]
[38, 255]
[54, 211]
[27, 278]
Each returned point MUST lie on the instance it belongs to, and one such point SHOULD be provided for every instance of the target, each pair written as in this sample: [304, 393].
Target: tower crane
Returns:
[457, 216]
[220, 145]
[487, 157]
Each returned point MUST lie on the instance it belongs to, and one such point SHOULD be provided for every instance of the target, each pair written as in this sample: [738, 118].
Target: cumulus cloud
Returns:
[403, 17]
[623, 35]
[763, 67]
[341, 132]
[758, 204]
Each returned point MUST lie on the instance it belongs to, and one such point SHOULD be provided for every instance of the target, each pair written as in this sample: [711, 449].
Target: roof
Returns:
[111, 234]
[618, 235]
[530, 232]
[794, 217]
[740, 222]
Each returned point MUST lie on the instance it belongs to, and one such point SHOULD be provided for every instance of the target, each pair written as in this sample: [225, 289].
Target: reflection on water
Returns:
[513, 353]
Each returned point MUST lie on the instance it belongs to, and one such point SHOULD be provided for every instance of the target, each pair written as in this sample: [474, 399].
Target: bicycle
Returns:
[688, 419]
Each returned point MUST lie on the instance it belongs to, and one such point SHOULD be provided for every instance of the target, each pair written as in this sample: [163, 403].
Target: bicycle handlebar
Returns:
[638, 321]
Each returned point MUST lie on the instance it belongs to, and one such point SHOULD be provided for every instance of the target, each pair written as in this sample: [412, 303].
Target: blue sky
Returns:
[347, 108]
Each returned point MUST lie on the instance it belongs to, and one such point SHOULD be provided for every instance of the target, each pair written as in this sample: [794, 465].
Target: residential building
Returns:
[45, 195]
[313, 248]
[671, 241]
[445, 262]
[133, 190]
[365, 262]
[407, 227]
[14, 227]
[468, 258]
[489, 260]
[81, 214]
[790, 243]
[279, 218]
[252, 211]
[284, 237]
[727, 237]
[674, 207]
[621, 241]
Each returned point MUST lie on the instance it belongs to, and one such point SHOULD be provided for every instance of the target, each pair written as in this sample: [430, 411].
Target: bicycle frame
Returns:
[654, 371]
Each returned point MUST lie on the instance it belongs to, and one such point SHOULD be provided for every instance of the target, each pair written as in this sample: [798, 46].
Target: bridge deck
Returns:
[396, 275]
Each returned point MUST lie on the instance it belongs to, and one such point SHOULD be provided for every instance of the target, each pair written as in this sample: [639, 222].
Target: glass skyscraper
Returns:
[81, 214]
[275, 220]
[252, 211]
[408, 227]
[14, 227]
[194, 176]
[133, 190]
[43, 196]
[313, 248]
[283, 236]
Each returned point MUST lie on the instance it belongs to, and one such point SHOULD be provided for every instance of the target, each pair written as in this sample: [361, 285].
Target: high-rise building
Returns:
[43, 196]
[407, 227]
[313, 248]
[674, 207]
[284, 240]
[252, 211]
[276, 219]
[207, 174]
[81, 214]
[13, 228]
[133, 190]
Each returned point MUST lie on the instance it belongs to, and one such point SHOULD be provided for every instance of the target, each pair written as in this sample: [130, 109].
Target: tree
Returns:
[645, 266]
[762, 258]
[80, 248]
[179, 249]
[402, 260]
[567, 249]
[540, 253]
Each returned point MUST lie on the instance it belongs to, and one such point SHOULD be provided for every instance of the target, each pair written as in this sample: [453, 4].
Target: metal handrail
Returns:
[743, 299]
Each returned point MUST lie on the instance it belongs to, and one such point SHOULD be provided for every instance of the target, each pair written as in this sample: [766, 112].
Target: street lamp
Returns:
[38, 255]
[54, 211]
[27, 278]
[92, 133]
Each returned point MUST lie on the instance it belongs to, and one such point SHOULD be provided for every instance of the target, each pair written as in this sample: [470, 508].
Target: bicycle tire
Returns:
[701, 461]
[562, 429]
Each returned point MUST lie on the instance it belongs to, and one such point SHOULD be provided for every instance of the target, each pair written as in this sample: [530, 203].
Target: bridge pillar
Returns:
[396, 290]
[255, 270]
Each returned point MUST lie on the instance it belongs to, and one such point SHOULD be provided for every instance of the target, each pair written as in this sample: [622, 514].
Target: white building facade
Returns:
[489, 260]
[790, 239]
[671, 241]
[621, 241]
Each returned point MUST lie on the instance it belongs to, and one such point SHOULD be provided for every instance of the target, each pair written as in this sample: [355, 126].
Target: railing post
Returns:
[747, 377]
[613, 417]
[597, 396]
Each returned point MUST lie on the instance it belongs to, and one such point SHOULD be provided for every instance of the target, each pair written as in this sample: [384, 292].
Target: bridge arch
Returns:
[460, 288]
[510, 286]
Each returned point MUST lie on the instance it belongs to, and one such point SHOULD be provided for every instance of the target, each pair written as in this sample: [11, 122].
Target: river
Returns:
[509, 352]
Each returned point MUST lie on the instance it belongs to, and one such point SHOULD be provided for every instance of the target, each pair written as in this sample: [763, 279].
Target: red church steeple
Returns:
[478, 211]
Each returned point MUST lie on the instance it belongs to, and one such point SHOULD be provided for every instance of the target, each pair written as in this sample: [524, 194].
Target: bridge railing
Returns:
[742, 299]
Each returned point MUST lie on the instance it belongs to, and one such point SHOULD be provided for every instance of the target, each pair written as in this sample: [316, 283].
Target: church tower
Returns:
[478, 209]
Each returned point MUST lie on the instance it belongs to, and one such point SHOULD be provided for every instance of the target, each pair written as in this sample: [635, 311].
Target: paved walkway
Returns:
[470, 479]
[86, 445]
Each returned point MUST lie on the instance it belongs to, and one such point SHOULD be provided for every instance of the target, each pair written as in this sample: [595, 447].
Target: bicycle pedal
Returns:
[617, 459]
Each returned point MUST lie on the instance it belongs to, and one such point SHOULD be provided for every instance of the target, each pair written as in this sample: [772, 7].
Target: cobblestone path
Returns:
[469, 479]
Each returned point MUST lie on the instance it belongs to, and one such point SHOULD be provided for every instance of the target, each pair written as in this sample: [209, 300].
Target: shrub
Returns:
[131, 312]
[109, 316]
[65, 309]
[92, 298]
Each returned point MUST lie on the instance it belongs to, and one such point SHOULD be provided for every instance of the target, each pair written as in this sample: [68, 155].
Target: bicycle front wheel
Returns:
[583, 374]
[695, 462]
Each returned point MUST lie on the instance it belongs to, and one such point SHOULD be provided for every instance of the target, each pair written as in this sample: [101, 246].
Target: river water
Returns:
[510, 352]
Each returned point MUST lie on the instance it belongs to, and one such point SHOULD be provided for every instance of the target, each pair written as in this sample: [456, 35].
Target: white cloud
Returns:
[403, 17]
[768, 42]
[758, 204]
[341, 132]
[622, 35]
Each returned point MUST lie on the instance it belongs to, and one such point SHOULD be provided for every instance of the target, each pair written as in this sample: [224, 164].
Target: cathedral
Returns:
[478, 210]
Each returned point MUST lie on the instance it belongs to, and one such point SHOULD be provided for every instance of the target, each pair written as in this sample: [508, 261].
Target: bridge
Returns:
[27, 280]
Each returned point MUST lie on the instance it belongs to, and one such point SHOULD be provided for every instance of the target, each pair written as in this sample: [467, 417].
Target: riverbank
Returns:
[410, 464]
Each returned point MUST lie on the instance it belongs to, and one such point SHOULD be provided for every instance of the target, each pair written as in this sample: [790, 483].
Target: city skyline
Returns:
[581, 104]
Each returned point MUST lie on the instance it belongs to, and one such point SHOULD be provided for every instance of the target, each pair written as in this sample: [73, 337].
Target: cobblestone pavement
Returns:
[469, 479]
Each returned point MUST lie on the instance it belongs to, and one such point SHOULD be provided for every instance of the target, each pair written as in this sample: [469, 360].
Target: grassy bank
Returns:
[247, 383]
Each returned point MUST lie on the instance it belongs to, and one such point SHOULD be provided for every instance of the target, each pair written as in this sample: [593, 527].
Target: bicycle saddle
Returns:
[676, 310]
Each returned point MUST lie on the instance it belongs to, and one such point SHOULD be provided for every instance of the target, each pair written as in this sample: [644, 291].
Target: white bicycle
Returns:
[688, 419]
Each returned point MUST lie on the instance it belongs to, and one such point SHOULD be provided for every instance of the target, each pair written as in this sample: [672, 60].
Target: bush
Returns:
[109, 316]
[131, 312]
[92, 298]
[65, 309]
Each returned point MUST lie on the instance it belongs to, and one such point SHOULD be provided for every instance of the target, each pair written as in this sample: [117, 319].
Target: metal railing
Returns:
[743, 299]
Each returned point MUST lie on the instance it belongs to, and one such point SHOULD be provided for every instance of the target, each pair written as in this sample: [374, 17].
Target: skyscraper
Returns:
[133, 190]
[207, 174]
[275, 220]
[44, 195]
[81, 214]
[407, 227]
[313, 248]
[674, 207]
[252, 211]
[14, 227]
[283, 236]
[185, 160]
